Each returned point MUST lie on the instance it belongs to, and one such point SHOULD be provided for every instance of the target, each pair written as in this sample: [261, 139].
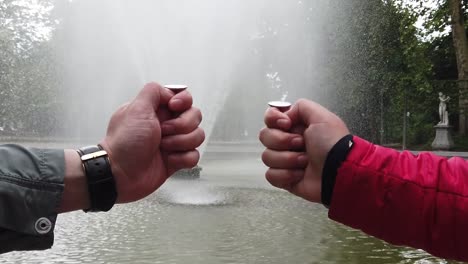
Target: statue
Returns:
[443, 139]
[443, 113]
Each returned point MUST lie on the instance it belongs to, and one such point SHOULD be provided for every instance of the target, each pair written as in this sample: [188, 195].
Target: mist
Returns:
[233, 55]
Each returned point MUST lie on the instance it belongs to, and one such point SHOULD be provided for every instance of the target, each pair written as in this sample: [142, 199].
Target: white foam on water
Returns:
[191, 192]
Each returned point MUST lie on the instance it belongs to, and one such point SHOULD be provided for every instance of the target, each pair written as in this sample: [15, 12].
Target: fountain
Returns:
[117, 46]
[108, 49]
[234, 56]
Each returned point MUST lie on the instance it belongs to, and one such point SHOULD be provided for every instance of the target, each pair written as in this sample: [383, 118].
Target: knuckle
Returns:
[196, 155]
[284, 140]
[269, 117]
[201, 135]
[198, 114]
[198, 138]
[154, 85]
[269, 176]
[262, 135]
[191, 162]
[290, 174]
[291, 158]
[184, 125]
[191, 159]
[265, 157]
[167, 142]
[301, 101]
[171, 143]
[187, 93]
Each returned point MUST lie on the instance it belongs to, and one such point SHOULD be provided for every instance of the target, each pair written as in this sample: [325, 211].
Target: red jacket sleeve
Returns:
[419, 201]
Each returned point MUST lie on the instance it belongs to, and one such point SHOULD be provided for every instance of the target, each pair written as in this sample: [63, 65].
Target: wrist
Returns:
[75, 195]
[335, 158]
[117, 171]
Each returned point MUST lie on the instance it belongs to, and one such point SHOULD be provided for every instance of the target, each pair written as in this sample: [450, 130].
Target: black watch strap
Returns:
[101, 182]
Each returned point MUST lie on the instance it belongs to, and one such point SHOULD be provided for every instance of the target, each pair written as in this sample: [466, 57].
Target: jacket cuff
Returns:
[31, 187]
[335, 158]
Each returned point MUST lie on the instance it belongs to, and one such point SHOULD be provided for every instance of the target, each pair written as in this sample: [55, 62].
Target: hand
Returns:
[298, 142]
[146, 143]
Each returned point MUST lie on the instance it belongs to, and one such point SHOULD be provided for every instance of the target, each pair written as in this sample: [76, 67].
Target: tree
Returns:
[450, 14]
[28, 76]
[461, 50]
[377, 59]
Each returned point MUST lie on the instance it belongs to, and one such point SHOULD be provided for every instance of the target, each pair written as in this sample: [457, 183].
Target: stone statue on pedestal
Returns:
[443, 113]
[443, 139]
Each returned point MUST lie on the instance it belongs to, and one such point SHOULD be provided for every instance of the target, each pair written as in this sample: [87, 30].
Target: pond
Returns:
[68, 64]
[229, 215]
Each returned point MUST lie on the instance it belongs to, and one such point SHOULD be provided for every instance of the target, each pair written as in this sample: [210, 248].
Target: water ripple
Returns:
[228, 225]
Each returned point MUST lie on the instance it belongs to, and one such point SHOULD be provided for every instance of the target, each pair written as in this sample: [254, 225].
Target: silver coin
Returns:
[176, 87]
[280, 104]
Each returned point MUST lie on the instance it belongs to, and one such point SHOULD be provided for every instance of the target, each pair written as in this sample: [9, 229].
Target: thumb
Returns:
[150, 95]
[308, 112]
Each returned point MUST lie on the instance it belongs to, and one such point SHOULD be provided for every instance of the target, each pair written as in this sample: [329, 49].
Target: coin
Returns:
[280, 105]
[176, 88]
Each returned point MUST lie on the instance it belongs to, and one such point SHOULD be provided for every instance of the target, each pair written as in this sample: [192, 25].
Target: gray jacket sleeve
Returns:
[31, 187]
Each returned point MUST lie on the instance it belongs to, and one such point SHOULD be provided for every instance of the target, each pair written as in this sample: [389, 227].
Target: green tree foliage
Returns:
[379, 59]
[442, 17]
[442, 56]
[375, 65]
[434, 15]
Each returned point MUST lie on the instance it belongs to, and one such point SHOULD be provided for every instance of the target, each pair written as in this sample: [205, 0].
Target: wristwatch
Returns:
[101, 182]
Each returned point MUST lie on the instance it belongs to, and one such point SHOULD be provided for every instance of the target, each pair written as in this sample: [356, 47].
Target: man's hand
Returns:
[298, 142]
[150, 138]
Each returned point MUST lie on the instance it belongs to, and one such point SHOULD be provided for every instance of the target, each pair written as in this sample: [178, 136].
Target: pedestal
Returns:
[443, 139]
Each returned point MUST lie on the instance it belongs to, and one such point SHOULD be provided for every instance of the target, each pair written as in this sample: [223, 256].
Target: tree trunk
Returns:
[461, 51]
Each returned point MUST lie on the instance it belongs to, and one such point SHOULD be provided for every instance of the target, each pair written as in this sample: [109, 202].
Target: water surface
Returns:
[230, 215]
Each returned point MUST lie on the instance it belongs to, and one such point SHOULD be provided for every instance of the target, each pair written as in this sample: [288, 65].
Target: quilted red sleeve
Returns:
[413, 200]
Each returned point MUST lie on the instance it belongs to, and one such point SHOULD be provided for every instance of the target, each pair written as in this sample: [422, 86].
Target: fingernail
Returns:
[297, 142]
[167, 129]
[283, 123]
[302, 159]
